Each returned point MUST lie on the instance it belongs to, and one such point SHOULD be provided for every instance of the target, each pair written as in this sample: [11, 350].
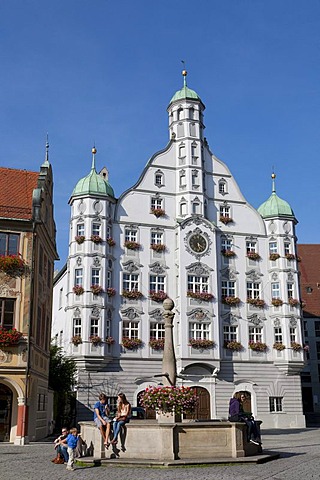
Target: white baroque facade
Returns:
[185, 230]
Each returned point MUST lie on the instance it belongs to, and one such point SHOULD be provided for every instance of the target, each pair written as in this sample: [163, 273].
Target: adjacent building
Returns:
[27, 255]
[184, 230]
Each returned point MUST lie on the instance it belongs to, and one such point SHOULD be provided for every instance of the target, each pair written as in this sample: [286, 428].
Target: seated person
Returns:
[122, 416]
[236, 414]
[60, 445]
[101, 418]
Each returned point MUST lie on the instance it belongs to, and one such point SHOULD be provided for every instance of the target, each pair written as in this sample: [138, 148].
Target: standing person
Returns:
[122, 416]
[60, 446]
[72, 440]
[101, 418]
[236, 414]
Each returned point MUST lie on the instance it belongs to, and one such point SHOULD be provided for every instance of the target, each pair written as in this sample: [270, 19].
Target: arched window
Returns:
[158, 179]
[222, 186]
[183, 208]
[182, 178]
[182, 150]
[180, 114]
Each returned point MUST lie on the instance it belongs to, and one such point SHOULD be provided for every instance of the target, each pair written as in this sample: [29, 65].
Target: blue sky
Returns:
[103, 72]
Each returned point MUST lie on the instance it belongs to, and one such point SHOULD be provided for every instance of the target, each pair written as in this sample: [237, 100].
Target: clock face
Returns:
[198, 243]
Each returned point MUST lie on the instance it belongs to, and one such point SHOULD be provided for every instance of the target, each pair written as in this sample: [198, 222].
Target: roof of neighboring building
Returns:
[310, 278]
[16, 189]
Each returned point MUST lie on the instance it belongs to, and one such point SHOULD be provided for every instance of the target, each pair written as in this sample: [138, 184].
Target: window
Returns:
[224, 211]
[182, 178]
[9, 243]
[251, 247]
[273, 247]
[96, 229]
[180, 130]
[255, 334]
[156, 238]
[197, 284]
[199, 331]
[191, 113]
[78, 277]
[94, 326]
[230, 333]
[194, 178]
[275, 404]
[316, 329]
[275, 290]
[77, 326]
[130, 235]
[7, 312]
[226, 244]
[156, 202]
[305, 329]
[192, 129]
[182, 151]
[157, 283]
[278, 335]
[130, 329]
[156, 330]
[80, 229]
[130, 281]
[290, 290]
[318, 350]
[109, 279]
[60, 298]
[287, 246]
[293, 334]
[95, 276]
[179, 114]
[228, 288]
[222, 187]
[41, 402]
[158, 179]
[196, 207]
[183, 208]
[194, 151]
[253, 290]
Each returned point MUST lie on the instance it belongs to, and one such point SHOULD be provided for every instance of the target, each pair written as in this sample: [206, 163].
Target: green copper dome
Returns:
[185, 92]
[275, 206]
[93, 184]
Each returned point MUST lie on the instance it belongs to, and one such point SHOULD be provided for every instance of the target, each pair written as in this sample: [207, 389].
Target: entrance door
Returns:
[202, 411]
[5, 412]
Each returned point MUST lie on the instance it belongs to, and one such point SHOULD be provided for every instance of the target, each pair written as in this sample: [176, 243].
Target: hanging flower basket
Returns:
[79, 239]
[170, 399]
[274, 256]
[228, 253]
[156, 343]
[78, 289]
[233, 345]
[303, 303]
[257, 346]
[200, 344]
[96, 289]
[132, 245]
[296, 346]
[294, 302]
[96, 239]
[9, 337]
[290, 256]
[131, 343]
[109, 340]
[298, 258]
[231, 300]
[158, 296]
[257, 302]
[277, 302]
[279, 346]
[225, 219]
[204, 296]
[95, 339]
[13, 265]
[111, 242]
[76, 340]
[132, 294]
[253, 256]
[111, 292]
[158, 212]
[158, 247]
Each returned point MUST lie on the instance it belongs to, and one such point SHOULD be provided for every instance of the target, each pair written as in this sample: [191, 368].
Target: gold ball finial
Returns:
[94, 150]
[184, 73]
[273, 175]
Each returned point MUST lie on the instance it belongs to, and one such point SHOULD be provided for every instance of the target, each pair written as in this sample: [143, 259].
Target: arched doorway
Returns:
[202, 411]
[5, 412]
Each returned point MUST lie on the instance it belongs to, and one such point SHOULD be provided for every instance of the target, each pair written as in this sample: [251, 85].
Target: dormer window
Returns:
[159, 179]
[222, 187]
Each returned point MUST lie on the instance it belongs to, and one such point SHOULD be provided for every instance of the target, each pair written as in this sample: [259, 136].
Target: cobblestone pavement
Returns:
[299, 450]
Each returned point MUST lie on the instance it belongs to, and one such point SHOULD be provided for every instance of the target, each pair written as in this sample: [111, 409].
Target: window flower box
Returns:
[228, 253]
[200, 344]
[279, 346]
[96, 239]
[231, 301]
[158, 296]
[132, 245]
[296, 346]
[257, 302]
[253, 256]
[95, 340]
[131, 343]
[290, 256]
[225, 219]
[109, 340]
[277, 302]
[232, 345]
[132, 294]
[79, 239]
[13, 265]
[9, 337]
[158, 212]
[78, 289]
[111, 292]
[96, 289]
[111, 242]
[158, 247]
[257, 346]
[76, 340]
[156, 343]
[274, 256]
[294, 302]
[170, 399]
[204, 296]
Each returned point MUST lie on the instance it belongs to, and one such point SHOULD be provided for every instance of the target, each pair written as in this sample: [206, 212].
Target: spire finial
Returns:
[273, 176]
[46, 159]
[94, 151]
[184, 73]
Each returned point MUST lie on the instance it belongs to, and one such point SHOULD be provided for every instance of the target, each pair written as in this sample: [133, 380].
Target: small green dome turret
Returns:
[185, 92]
[275, 206]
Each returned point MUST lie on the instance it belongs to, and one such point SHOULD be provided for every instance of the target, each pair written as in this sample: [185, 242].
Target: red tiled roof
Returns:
[310, 278]
[16, 187]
